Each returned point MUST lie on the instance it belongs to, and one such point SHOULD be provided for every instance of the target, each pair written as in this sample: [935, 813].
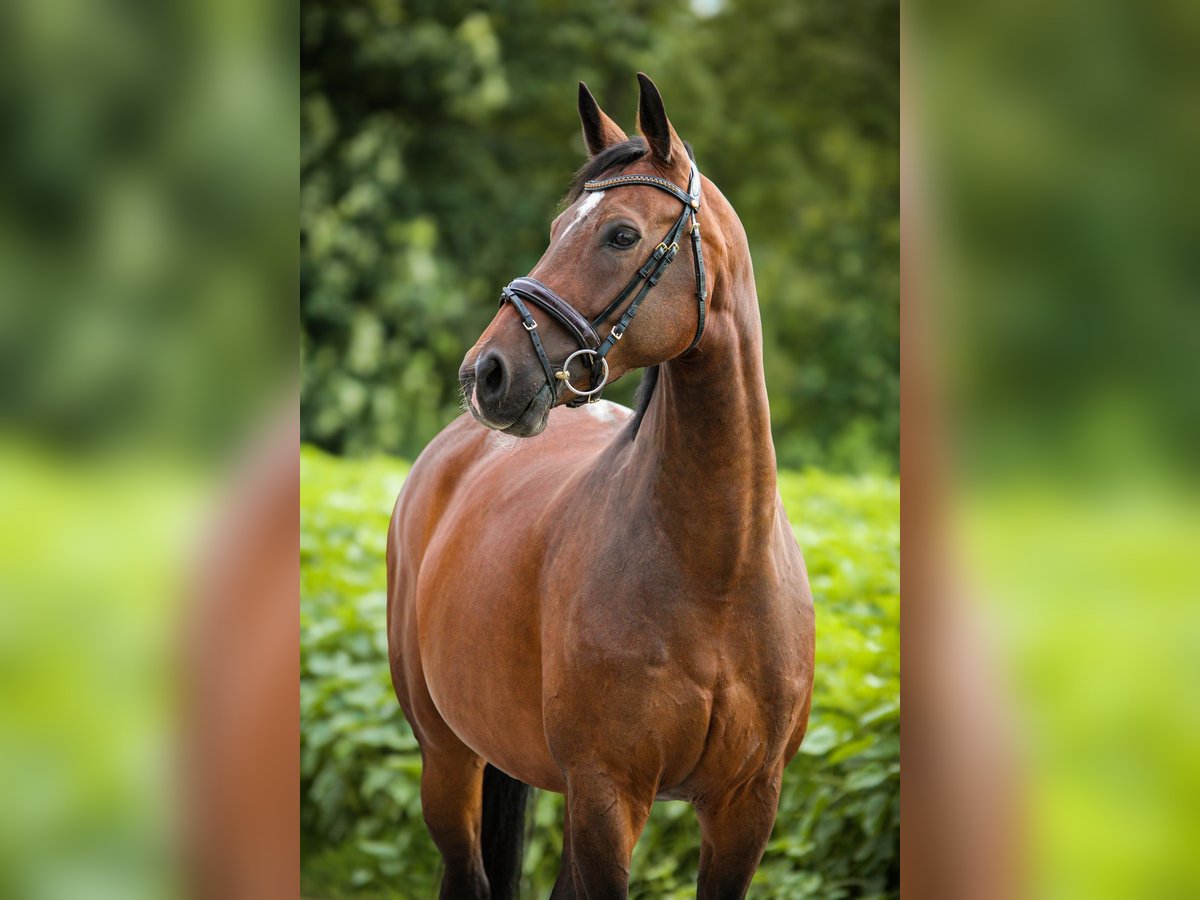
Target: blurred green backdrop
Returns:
[437, 139]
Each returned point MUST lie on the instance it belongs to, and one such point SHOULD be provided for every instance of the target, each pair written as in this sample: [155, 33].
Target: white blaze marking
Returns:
[589, 203]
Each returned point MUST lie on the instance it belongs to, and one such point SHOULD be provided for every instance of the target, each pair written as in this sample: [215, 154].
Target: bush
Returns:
[839, 819]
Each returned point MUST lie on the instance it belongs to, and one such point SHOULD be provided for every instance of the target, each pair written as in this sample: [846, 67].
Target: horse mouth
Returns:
[531, 421]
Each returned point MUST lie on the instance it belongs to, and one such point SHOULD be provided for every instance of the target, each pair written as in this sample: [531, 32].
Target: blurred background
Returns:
[147, 354]
[437, 140]
[1051, 347]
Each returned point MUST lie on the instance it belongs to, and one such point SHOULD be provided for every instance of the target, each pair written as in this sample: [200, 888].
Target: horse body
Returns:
[619, 626]
[615, 608]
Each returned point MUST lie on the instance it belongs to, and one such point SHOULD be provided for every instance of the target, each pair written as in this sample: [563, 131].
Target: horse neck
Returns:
[704, 452]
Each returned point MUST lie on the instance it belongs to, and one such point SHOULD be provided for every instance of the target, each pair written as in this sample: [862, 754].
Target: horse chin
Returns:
[530, 423]
[533, 421]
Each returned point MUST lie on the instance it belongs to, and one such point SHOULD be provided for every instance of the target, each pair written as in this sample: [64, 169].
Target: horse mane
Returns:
[641, 400]
[612, 157]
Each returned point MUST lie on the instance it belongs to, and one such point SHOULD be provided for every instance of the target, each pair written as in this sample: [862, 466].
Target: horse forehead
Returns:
[582, 208]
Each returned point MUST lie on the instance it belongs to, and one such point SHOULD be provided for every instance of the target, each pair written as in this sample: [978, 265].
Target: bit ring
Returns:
[565, 376]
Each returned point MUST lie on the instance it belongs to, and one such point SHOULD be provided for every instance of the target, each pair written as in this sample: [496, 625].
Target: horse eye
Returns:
[624, 237]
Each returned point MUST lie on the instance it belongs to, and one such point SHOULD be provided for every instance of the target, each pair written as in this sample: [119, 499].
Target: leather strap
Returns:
[585, 332]
[537, 293]
[566, 315]
[663, 256]
[701, 283]
[531, 326]
[604, 184]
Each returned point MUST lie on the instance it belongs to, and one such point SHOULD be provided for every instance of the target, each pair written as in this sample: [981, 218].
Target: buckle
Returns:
[530, 325]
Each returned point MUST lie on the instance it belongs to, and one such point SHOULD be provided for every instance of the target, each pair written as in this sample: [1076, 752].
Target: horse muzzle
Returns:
[503, 399]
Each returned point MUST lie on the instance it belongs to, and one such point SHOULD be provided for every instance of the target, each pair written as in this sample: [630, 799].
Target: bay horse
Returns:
[606, 604]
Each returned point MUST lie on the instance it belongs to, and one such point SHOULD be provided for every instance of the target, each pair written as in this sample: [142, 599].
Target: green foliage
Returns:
[838, 828]
[437, 138]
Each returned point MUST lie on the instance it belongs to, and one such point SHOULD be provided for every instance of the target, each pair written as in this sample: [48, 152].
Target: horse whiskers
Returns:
[506, 442]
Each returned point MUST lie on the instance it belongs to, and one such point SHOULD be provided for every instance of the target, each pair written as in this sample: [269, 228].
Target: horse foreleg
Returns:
[606, 821]
[734, 833]
[564, 885]
[452, 801]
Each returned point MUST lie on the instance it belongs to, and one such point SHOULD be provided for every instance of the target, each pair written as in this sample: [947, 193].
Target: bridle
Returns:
[525, 290]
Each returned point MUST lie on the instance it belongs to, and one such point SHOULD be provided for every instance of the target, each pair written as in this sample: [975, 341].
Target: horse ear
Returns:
[665, 144]
[599, 131]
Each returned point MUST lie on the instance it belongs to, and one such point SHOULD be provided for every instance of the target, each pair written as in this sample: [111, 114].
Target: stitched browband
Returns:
[619, 180]
[525, 290]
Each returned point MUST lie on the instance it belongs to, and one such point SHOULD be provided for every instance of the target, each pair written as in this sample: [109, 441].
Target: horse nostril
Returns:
[491, 378]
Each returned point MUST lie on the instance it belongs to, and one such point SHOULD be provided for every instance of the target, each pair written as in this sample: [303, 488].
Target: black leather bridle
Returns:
[525, 290]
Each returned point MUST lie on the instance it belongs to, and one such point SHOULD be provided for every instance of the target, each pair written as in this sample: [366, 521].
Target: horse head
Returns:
[560, 333]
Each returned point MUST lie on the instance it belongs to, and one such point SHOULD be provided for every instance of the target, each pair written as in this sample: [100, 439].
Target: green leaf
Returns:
[819, 740]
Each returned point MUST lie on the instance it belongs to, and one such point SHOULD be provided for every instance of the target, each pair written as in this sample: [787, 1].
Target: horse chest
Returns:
[669, 689]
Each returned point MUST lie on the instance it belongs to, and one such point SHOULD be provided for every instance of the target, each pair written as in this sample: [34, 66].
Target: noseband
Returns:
[522, 291]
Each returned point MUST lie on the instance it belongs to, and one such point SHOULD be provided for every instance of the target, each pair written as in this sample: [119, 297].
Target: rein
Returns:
[523, 291]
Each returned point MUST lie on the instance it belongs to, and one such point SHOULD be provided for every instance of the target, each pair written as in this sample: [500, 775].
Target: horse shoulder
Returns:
[427, 491]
